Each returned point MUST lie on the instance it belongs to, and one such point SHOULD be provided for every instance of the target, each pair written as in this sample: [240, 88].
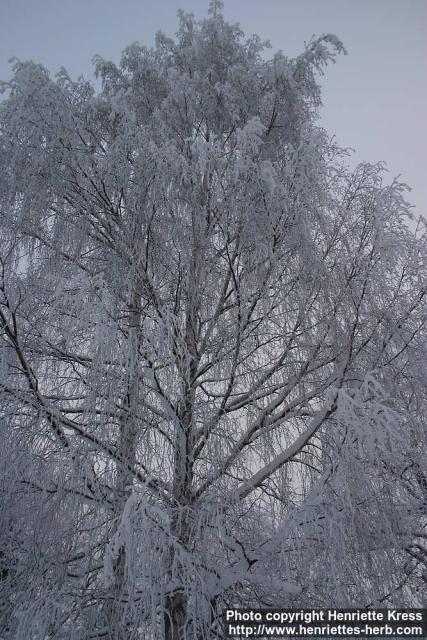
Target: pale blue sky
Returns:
[375, 99]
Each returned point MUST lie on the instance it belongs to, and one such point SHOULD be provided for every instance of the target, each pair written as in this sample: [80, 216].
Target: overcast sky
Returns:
[375, 99]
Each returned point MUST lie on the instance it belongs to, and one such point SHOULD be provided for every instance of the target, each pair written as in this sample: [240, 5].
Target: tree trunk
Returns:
[124, 478]
[175, 617]
[176, 605]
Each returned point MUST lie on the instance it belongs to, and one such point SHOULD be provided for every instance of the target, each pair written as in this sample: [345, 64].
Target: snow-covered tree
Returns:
[212, 348]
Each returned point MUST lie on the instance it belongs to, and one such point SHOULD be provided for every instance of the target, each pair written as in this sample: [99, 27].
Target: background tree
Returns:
[213, 347]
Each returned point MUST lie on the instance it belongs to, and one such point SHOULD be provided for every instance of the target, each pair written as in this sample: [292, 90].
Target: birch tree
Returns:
[212, 348]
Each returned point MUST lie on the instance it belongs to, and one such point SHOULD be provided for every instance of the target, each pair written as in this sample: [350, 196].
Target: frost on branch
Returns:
[212, 348]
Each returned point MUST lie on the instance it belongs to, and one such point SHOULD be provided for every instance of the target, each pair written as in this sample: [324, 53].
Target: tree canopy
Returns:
[213, 358]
